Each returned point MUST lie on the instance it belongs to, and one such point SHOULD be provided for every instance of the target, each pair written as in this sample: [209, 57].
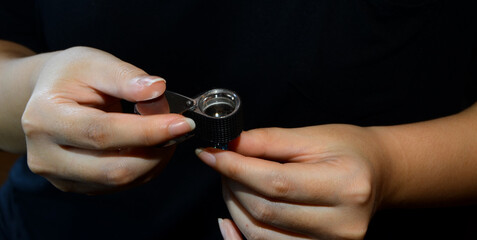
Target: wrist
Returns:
[430, 163]
[385, 162]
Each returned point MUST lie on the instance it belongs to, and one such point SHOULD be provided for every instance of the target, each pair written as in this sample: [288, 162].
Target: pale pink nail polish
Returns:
[208, 158]
[181, 126]
[222, 228]
[147, 81]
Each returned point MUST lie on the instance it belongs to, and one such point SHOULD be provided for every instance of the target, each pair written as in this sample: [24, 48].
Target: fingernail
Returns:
[208, 158]
[146, 81]
[181, 126]
[222, 228]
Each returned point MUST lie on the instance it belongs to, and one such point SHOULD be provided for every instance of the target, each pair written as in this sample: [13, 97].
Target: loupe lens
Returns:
[218, 103]
[219, 109]
[217, 114]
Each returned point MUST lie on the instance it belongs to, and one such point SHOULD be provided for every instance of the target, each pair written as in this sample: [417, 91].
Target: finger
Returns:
[112, 76]
[156, 106]
[287, 144]
[309, 220]
[89, 188]
[318, 183]
[111, 169]
[94, 129]
[251, 228]
[103, 72]
[95, 188]
[341, 222]
[229, 230]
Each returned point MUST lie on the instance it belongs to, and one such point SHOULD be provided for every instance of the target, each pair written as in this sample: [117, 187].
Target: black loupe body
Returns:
[217, 114]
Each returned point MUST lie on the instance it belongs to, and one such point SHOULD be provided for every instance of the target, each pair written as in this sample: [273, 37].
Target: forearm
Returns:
[18, 69]
[430, 163]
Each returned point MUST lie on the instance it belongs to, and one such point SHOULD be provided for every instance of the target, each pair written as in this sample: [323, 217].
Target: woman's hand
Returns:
[77, 136]
[306, 183]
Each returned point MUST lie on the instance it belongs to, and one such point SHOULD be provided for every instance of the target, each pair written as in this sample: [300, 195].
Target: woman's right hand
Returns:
[78, 138]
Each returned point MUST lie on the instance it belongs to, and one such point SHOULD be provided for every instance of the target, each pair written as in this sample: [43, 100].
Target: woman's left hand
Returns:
[307, 183]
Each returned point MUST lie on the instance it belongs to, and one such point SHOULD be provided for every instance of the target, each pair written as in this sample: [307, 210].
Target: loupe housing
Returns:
[217, 114]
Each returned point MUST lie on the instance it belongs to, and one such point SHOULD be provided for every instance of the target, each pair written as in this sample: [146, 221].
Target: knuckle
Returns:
[360, 191]
[360, 231]
[119, 176]
[263, 211]
[280, 186]
[78, 52]
[96, 135]
[262, 132]
[35, 164]
[78, 49]
[29, 125]
[356, 231]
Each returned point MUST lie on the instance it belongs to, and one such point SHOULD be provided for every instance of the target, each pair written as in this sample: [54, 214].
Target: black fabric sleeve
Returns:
[19, 22]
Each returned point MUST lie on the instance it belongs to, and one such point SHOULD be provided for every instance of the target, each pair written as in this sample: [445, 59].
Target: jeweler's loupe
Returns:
[217, 114]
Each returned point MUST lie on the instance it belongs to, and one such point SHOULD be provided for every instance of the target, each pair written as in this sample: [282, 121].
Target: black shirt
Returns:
[294, 62]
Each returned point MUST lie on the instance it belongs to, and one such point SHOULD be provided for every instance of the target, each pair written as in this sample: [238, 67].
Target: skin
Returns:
[318, 182]
[63, 109]
[326, 182]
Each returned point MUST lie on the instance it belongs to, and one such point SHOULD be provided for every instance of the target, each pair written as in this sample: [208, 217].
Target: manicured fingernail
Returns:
[205, 156]
[147, 81]
[181, 126]
[222, 228]
[143, 82]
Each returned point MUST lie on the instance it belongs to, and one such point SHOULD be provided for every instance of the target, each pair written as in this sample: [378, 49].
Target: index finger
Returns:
[305, 183]
[94, 129]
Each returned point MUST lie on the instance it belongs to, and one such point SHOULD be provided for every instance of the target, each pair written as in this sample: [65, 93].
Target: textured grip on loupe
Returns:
[217, 130]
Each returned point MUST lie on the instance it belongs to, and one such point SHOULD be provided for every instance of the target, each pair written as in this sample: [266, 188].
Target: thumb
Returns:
[114, 77]
[286, 144]
[131, 83]
[142, 88]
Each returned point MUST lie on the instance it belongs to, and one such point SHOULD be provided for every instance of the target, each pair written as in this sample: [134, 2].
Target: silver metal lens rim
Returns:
[218, 96]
